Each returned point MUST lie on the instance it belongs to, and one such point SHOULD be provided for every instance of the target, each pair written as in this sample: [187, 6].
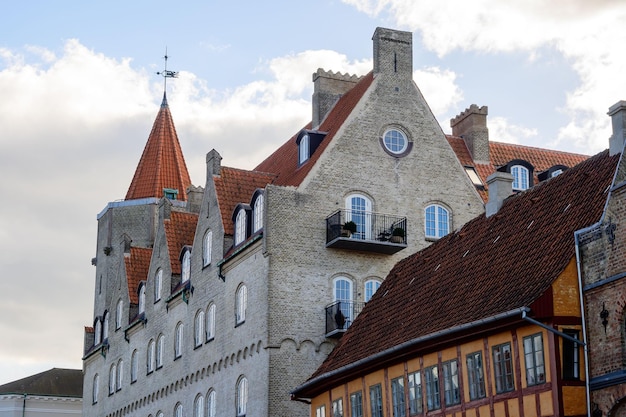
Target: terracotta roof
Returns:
[54, 382]
[137, 266]
[284, 161]
[502, 153]
[162, 164]
[179, 231]
[490, 266]
[234, 186]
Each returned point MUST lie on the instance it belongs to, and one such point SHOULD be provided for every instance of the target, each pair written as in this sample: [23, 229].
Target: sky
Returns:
[79, 93]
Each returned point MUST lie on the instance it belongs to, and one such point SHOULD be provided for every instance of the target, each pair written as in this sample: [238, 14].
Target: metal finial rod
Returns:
[165, 73]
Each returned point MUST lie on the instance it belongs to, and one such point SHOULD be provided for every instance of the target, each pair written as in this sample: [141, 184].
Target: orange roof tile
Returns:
[162, 164]
[180, 229]
[137, 266]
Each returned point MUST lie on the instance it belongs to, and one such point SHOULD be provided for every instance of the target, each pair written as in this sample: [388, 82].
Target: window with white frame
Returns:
[207, 247]
[160, 414]
[451, 392]
[242, 396]
[198, 334]
[95, 389]
[303, 149]
[320, 411]
[105, 326]
[258, 213]
[186, 267]
[178, 410]
[337, 407]
[150, 357]
[97, 332]
[160, 346]
[158, 283]
[120, 375]
[210, 322]
[343, 294]
[415, 393]
[520, 177]
[118, 314]
[376, 400]
[356, 404]
[241, 303]
[210, 404]
[397, 397]
[503, 368]
[134, 366]
[431, 380]
[476, 375]
[437, 220]
[370, 288]
[240, 227]
[198, 406]
[178, 340]
[142, 298]
[112, 378]
[359, 211]
[533, 357]
[395, 141]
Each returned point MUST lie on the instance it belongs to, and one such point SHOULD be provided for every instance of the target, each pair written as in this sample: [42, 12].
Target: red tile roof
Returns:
[502, 153]
[180, 229]
[490, 266]
[162, 164]
[137, 266]
[234, 186]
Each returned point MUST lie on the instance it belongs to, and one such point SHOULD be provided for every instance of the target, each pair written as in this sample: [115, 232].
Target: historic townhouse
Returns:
[218, 300]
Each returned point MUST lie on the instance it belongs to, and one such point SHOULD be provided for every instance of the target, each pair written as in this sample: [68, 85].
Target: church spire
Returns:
[162, 169]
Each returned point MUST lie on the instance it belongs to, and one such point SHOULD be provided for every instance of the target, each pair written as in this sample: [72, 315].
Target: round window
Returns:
[395, 141]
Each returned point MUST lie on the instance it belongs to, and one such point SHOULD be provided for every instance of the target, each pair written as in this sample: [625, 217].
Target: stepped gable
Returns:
[56, 382]
[234, 186]
[162, 164]
[180, 229]
[137, 267]
[490, 266]
[284, 161]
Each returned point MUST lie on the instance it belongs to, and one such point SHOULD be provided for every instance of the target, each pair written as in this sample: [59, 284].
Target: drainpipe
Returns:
[24, 405]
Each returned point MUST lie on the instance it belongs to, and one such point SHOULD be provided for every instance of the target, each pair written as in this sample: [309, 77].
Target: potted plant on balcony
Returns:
[348, 228]
[397, 235]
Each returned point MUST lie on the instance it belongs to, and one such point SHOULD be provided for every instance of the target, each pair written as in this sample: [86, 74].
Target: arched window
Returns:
[178, 410]
[159, 414]
[210, 404]
[158, 283]
[359, 210]
[112, 379]
[206, 248]
[240, 227]
[198, 406]
[210, 322]
[159, 351]
[199, 335]
[134, 366]
[118, 314]
[142, 298]
[437, 220]
[186, 266]
[242, 396]
[178, 341]
[95, 389]
[105, 327]
[241, 304]
[120, 374]
[342, 288]
[97, 332]
[520, 177]
[370, 288]
[258, 213]
[150, 356]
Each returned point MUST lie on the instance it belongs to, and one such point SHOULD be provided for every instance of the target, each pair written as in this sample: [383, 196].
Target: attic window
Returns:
[395, 141]
[170, 193]
[308, 141]
[520, 177]
[303, 149]
[473, 175]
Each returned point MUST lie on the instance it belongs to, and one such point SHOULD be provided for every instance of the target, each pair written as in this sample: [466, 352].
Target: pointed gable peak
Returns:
[162, 165]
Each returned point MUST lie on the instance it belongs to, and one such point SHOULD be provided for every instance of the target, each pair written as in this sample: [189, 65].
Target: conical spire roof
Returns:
[162, 165]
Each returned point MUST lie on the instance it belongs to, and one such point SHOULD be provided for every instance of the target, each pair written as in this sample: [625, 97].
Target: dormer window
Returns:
[105, 326]
[308, 141]
[553, 171]
[97, 332]
[241, 220]
[303, 149]
[520, 177]
[257, 211]
[185, 273]
[142, 298]
[170, 193]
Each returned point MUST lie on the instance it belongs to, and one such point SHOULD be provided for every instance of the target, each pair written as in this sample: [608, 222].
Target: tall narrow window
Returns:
[95, 390]
[258, 213]
[120, 375]
[503, 368]
[105, 326]
[240, 227]
[343, 295]
[158, 283]
[134, 366]
[198, 336]
[186, 267]
[150, 357]
[520, 177]
[210, 322]
[370, 288]
[338, 407]
[431, 379]
[533, 357]
[198, 406]
[118, 314]
[142, 299]
[160, 345]
[397, 397]
[207, 247]
[415, 393]
[112, 379]
[437, 221]
[359, 210]
[451, 392]
[356, 404]
[571, 358]
[178, 341]
[476, 375]
[303, 149]
[376, 400]
[241, 304]
[97, 332]
[178, 410]
[320, 411]
[242, 396]
[210, 404]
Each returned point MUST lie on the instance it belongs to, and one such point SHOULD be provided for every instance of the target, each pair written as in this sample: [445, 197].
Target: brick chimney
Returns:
[618, 119]
[471, 125]
[328, 87]
[393, 53]
[500, 187]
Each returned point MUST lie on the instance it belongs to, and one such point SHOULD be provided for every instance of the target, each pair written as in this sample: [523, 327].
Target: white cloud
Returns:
[502, 130]
[439, 88]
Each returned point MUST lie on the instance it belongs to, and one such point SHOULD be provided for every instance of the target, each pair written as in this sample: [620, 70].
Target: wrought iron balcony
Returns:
[340, 315]
[375, 232]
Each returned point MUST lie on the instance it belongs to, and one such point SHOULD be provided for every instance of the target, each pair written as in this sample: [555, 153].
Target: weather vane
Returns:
[166, 73]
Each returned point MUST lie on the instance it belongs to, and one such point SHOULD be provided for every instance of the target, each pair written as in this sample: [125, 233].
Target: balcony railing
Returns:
[340, 315]
[375, 231]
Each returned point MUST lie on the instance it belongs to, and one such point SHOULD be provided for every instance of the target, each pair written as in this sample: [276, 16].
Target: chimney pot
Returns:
[618, 120]
[500, 187]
